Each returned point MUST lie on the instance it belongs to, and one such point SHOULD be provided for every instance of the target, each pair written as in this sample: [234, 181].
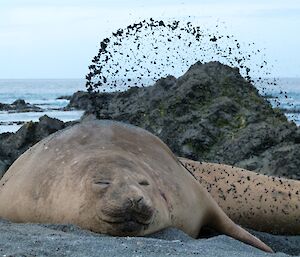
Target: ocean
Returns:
[45, 93]
[285, 95]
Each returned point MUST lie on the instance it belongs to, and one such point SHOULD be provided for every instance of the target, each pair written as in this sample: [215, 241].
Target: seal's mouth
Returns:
[132, 215]
[132, 220]
[126, 222]
[140, 216]
[127, 226]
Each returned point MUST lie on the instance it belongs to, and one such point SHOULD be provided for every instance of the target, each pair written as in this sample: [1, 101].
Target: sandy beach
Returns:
[68, 240]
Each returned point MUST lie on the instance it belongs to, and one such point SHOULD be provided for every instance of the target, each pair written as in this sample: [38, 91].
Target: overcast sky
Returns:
[58, 38]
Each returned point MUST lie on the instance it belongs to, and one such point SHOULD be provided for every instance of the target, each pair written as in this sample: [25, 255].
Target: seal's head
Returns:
[126, 197]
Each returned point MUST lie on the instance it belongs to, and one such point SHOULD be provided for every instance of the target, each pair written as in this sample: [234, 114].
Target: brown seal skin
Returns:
[256, 201]
[110, 178]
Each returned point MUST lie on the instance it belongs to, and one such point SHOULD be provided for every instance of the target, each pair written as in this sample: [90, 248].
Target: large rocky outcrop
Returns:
[211, 113]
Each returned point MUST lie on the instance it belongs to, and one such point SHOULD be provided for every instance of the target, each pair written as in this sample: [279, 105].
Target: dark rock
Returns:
[20, 106]
[12, 145]
[211, 113]
[281, 160]
[47, 126]
[80, 100]
[64, 97]
[19, 102]
[3, 168]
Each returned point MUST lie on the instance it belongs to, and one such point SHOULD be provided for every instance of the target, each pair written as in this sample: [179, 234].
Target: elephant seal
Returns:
[256, 201]
[112, 178]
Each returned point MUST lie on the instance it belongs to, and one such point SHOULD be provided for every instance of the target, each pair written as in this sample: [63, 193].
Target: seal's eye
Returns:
[144, 183]
[102, 183]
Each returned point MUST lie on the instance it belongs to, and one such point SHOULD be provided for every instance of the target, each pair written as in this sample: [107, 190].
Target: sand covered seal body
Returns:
[111, 178]
[256, 201]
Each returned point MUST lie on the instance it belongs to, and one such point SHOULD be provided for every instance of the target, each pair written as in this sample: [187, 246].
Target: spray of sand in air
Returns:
[143, 52]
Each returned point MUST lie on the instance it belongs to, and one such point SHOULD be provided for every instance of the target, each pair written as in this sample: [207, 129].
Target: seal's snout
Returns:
[136, 203]
[139, 208]
[130, 212]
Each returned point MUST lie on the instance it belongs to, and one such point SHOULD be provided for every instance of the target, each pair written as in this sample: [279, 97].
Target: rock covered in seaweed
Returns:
[210, 113]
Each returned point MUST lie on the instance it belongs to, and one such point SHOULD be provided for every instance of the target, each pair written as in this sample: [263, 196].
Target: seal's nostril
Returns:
[136, 201]
[144, 183]
[139, 199]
